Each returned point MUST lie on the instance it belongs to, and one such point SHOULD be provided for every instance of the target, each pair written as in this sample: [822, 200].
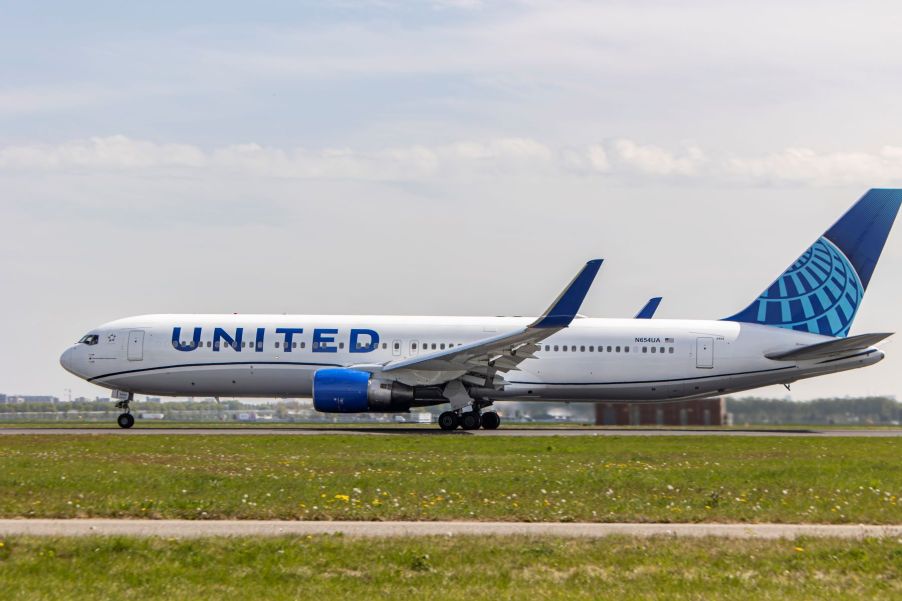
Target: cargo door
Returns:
[136, 345]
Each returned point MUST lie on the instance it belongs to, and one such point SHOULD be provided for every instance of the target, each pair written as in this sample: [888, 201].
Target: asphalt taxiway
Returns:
[199, 528]
[434, 431]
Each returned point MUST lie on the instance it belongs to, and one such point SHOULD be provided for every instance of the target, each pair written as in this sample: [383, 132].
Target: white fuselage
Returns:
[593, 359]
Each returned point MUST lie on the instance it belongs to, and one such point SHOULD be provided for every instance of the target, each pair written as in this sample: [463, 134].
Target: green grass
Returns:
[448, 568]
[437, 477]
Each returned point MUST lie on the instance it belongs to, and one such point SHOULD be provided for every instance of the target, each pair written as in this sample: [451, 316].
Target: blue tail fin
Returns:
[822, 290]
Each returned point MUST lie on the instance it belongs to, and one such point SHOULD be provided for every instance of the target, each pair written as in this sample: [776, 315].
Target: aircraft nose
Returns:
[67, 359]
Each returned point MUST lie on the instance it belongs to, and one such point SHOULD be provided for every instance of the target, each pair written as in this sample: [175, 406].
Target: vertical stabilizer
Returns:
[822, 290]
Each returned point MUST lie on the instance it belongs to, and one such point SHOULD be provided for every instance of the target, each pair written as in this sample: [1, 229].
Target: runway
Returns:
[434, 431]
[199, 528]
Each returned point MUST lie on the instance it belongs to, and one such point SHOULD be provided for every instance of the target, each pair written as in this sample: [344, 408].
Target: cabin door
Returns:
[704, 353]
[136, 345]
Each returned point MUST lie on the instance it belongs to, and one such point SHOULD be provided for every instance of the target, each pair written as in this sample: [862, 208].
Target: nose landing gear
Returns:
[125, 420]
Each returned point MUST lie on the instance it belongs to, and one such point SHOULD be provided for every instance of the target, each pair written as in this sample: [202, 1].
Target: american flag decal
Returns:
[668, 340]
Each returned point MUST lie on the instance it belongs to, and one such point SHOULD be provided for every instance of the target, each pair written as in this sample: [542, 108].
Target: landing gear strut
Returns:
[125, 420]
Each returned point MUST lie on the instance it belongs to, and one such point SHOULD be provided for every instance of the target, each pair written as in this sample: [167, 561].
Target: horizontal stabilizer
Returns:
[830, 348]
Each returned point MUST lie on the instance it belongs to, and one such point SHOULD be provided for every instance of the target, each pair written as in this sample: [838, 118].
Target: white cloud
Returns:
[113, 152]
[514, 157]
[654, 160]
[804, 165]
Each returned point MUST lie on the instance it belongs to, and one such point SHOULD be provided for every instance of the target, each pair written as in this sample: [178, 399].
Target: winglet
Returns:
[564, 308]
[648, 311]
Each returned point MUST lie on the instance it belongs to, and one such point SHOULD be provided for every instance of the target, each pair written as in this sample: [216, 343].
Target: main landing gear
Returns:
[125, 420]
[471, 420]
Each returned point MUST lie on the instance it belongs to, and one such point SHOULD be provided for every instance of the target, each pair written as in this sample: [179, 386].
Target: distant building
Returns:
[700, 412]
[39, 399]
[2, 399]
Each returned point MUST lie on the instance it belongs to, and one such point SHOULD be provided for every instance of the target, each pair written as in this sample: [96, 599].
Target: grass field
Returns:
[416, 477]
[448, 568]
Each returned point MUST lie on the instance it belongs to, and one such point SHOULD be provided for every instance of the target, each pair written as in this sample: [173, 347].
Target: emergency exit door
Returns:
[704, 353]
[136, 345]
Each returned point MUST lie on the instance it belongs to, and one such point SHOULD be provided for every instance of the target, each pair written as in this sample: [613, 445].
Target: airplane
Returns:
[797, 328]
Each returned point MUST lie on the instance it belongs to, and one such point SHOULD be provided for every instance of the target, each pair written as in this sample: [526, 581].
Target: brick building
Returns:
[700, 412]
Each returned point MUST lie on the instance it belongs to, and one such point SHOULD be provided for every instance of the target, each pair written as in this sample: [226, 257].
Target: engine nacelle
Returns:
[340, 390]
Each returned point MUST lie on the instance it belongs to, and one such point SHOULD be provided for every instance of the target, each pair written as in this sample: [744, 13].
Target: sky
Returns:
[453, 157]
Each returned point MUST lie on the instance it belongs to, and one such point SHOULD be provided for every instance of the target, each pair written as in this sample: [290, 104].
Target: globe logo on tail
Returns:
[819, 293]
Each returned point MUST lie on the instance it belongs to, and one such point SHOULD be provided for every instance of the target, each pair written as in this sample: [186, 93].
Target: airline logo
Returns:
[321, 340]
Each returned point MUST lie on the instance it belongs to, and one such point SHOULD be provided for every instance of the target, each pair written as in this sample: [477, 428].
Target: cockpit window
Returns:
[90, 340]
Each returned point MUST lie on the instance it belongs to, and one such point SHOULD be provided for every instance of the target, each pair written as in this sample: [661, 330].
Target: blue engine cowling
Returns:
[341, 390]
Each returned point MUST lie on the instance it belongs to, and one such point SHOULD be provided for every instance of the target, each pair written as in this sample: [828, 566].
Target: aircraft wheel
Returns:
[448, 421]
[126, 420]
[470, 420]
[491, 420]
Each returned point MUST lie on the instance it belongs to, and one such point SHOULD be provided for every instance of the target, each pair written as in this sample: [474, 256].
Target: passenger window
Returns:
[277, 345]
[582, 349]
[564, 348]
[626, 349]
[591, 349]
[209, 344]
[644, 349]
[413, 346]
[555, 348]
[547, 347]
[609, 349]
[654, 349]
[397, 346]
[662, 349]
[294, 345]
[617, 349]
[443, 346]
[341, 345]
[303, 345]
[671, 350]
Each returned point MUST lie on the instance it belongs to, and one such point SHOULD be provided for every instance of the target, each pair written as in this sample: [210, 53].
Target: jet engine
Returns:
[341, 390]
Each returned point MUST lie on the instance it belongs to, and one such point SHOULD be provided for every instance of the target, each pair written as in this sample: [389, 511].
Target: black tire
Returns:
[470, 421]
[491, 420]
[448, 421]
[126, 420]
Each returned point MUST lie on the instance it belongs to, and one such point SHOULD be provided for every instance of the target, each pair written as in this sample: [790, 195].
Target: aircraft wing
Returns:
[648, 311]
[830, 348]
[502, 353]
